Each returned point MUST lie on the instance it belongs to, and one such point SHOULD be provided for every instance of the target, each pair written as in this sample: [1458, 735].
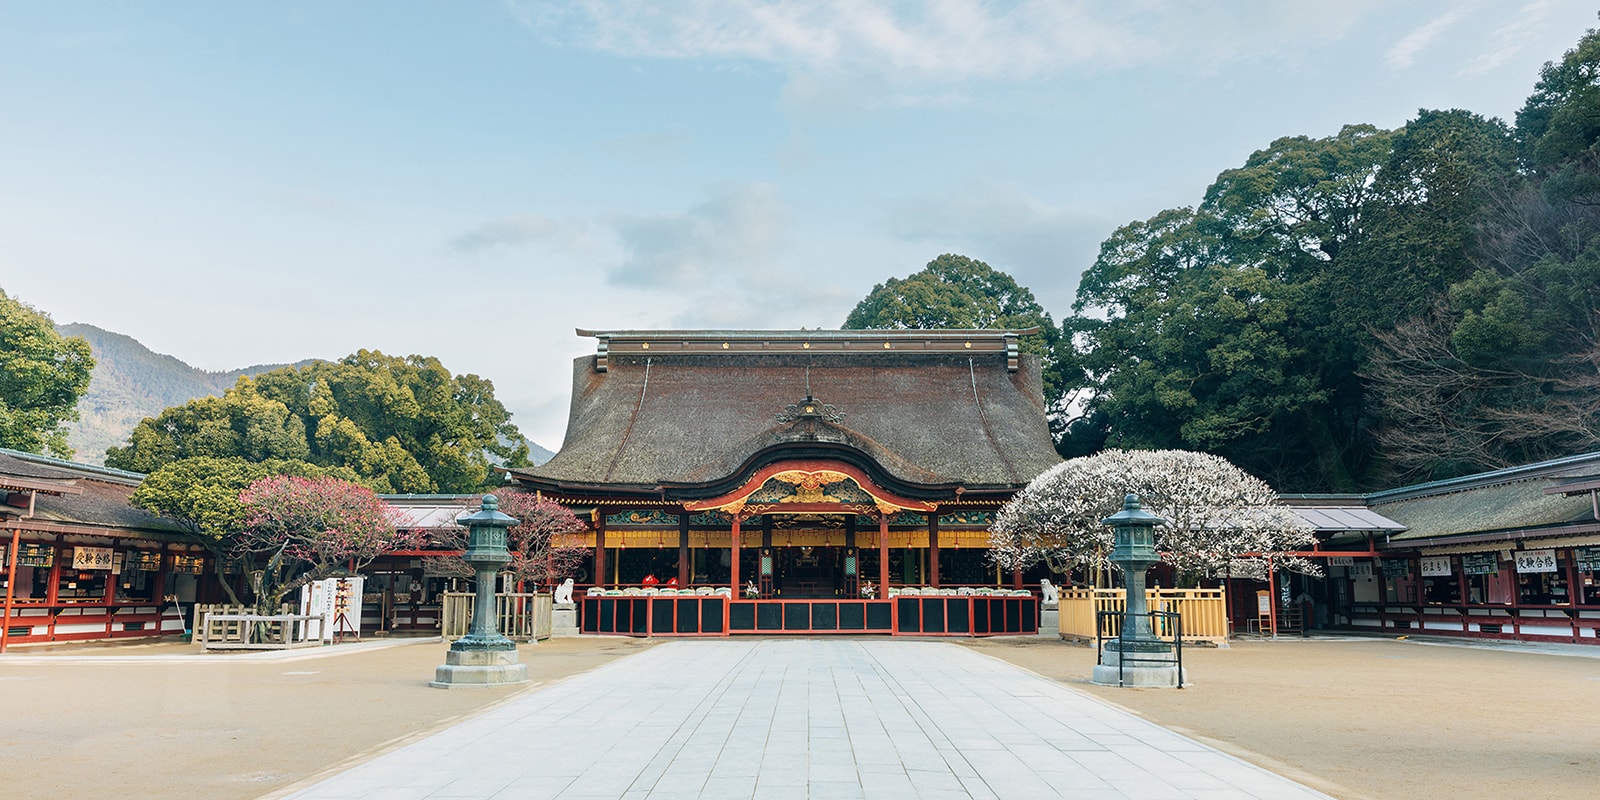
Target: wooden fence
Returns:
[1204, 611]
[256, 632]
[228, 629]
[524, 617]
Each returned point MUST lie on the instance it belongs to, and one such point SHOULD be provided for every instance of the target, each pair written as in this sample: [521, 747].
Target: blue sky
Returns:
[247, 183]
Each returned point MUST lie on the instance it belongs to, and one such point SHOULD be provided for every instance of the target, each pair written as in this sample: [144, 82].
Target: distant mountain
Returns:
[131, 382]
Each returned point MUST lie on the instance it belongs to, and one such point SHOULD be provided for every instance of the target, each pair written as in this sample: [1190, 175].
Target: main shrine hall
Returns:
[776, 481]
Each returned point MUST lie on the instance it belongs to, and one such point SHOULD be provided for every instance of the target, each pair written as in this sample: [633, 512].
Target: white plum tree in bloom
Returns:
[1215, 513]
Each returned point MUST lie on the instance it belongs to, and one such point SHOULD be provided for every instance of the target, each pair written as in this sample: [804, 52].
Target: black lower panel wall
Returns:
[652, 616]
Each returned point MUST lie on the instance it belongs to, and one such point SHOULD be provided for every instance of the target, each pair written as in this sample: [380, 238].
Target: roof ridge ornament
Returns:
[810, 408]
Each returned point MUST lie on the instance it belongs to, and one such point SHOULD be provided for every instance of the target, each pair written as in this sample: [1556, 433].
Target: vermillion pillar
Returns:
[733, 565]
[685, 558]
[600, 549]
[883, 554]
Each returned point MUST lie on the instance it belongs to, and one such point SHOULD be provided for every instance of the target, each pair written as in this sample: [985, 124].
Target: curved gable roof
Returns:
[951, 407]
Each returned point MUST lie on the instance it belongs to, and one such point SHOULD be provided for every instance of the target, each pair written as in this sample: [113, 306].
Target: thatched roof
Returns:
[689, 413]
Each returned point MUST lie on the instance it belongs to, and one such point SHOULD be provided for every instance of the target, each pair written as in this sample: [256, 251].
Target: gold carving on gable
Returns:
[813, 487]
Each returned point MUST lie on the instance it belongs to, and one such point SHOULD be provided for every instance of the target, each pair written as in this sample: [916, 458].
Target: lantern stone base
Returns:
[564, 619]
[1140, 674]
[479, 669]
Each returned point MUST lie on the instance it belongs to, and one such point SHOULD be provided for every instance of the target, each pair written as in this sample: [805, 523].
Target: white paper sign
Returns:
[338, 602]
[1436, 567]
[1340, 561]
[1536, 561]
[87, 558]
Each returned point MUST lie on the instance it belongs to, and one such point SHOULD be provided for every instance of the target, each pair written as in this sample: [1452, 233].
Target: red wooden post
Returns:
[733, 565]
[933, 548]
[685, 559]
[883, 554]
[599, 549]
[1573, 590]
[1272, 596]
[11, 586]
[52, 593]
[159, 591]
[110, 597]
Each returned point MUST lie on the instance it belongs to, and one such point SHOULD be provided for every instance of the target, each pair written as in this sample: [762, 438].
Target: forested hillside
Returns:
[131, 382]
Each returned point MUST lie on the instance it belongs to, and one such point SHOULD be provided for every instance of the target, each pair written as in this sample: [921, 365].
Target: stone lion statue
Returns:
[564, 592]
[1052, 594]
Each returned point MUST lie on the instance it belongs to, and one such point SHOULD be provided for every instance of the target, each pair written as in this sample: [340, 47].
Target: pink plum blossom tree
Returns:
[535, 542]
[299, 530]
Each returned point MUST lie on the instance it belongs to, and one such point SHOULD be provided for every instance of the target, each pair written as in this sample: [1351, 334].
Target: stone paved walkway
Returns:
[806, 718]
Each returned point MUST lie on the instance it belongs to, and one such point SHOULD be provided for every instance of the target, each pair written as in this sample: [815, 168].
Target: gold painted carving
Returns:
[808, 485]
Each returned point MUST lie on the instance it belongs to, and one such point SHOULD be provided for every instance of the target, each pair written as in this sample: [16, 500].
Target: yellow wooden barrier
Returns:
[1203, 611]
[523, 617]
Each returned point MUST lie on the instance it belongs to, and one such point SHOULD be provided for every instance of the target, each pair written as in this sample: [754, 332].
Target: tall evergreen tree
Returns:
[42, 375]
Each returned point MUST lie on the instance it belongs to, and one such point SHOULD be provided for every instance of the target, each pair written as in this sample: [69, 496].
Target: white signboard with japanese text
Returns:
[338, 602]
[87, 558]
[1536, 561]
[1436, 567]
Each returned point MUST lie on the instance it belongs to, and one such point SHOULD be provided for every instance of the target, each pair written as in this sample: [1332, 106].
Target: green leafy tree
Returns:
[955, 291]
[42, 375]
[1441, 184]
[202, 492]
[1501, 368]
[1558, 128]
[401, 424]
[1199, 353]
[1294, 206]
[1242, 327]
[1505, 369]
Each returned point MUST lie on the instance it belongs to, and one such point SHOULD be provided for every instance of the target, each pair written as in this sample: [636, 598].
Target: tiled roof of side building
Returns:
[100, 502]
[1500, 500]
[928, 412]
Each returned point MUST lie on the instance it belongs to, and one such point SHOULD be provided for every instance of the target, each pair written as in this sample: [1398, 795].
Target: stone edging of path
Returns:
[253, 657]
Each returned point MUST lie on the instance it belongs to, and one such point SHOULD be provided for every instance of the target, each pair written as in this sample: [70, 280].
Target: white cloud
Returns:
[737, 229]
[944, 40]
[1511, 38]
[1044, 247]
[719, 263]
[522, 229]
[1404, 52]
